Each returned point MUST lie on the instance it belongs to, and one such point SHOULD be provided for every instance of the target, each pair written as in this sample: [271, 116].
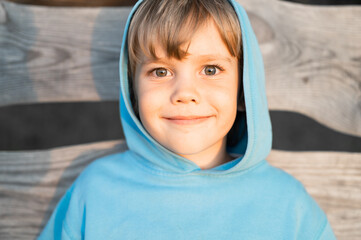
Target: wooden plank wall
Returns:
[312, 58]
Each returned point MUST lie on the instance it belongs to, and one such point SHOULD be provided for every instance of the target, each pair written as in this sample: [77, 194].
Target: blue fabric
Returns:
[149, 192]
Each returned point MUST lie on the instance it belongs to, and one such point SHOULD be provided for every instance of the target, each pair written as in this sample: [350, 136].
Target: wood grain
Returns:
[312, 57]
[59, 54]
[313, 65]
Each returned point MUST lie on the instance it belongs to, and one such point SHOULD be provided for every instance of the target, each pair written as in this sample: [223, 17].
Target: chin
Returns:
[189, 148]
[185, 150]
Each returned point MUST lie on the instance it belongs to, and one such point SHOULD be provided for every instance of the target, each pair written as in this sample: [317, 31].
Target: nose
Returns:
[185, 91]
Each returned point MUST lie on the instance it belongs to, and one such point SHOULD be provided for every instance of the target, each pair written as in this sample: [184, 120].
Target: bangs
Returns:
[169, 24]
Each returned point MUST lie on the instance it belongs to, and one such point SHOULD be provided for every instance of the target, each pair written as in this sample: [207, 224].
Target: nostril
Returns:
[185, 97]
[186, 100]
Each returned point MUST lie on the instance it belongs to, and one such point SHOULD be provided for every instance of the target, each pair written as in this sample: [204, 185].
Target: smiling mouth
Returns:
[187, 120]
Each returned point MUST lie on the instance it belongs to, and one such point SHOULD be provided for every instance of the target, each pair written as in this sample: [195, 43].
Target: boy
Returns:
[195, 167]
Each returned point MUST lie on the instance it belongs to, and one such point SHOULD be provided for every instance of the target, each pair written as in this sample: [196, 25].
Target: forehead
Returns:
[207, 40]
[206, 43]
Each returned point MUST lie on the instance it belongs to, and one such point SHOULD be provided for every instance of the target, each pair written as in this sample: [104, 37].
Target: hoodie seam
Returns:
[250, 88]
[321, 231]
[138, 160]
[68, 231]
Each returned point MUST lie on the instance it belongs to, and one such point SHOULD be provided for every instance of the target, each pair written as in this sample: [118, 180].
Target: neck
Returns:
[211, 157]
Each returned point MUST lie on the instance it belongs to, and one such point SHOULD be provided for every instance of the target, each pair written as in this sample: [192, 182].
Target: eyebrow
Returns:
[216, 58]
[154, 60]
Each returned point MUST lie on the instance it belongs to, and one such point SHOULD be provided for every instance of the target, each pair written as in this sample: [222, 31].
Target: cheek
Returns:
[224, 95]
[149, 103]
[150, 106]
[225, 100]
[145, 103]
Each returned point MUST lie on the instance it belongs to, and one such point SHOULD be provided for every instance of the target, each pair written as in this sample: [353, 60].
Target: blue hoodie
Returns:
[149, 192]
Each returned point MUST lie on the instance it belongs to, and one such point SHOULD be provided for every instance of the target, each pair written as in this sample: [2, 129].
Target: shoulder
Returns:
[278, 184]
[103, 172]
[286, 185]
[291, 194]
[278, 180]
[97, 179]
[106, 163]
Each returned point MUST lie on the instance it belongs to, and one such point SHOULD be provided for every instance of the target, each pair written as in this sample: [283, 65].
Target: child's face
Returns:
[189, 105]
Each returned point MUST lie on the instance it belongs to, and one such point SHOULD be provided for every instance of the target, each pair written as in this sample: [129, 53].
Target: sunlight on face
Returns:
[189, 105]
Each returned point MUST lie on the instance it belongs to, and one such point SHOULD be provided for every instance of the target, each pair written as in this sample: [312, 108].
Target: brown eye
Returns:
[210, 70]
[161, 72]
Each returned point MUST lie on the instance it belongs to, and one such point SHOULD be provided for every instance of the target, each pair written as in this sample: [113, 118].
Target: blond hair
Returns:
[171, 23]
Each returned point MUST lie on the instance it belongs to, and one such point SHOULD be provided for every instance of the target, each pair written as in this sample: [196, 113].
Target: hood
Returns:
[255, 126]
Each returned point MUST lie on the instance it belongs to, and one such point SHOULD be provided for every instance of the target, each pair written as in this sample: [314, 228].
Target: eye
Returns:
[211, 70]
[161, 72]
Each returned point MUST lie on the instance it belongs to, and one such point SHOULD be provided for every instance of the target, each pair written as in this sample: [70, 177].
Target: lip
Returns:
[187, 120]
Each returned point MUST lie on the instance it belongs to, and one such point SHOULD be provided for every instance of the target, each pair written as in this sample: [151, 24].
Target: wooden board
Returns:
[59, 54]
[313, 65]
[312, 56]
